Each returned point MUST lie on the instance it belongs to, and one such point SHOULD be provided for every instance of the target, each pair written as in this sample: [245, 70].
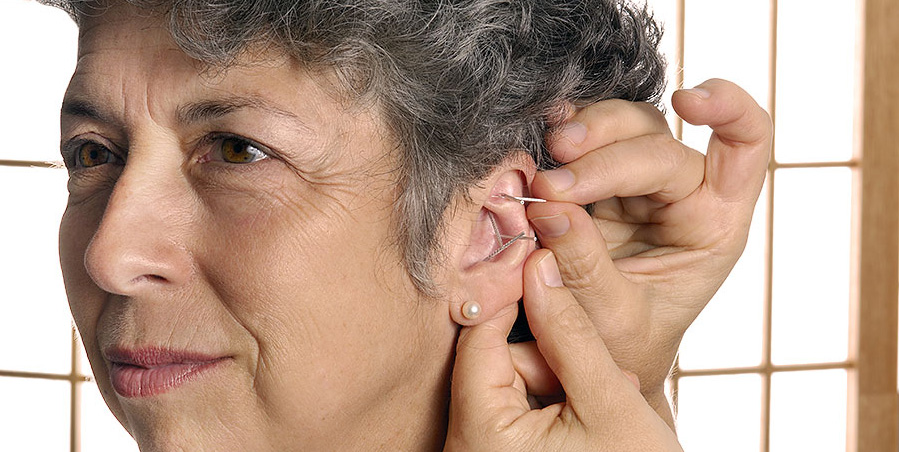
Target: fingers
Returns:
[568, 339]
[656, 165]
[741, 143]
[483, 375]
[602, 124]
[605, 401]
[488, 407]
[726, 108]
[537, 375]
[619, 148]
[530, 365]
[586, 267]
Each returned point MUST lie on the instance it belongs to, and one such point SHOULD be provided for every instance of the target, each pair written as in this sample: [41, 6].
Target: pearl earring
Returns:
[471, 310]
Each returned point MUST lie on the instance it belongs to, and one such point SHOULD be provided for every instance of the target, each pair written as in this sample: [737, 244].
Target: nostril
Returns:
[143, 262]
[138, 244]
[124, 276]
[148, 278]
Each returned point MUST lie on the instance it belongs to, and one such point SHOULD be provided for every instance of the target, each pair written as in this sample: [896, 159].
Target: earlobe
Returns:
[500, 239]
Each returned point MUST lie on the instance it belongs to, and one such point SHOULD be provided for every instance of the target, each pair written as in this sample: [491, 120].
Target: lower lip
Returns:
[135, 381]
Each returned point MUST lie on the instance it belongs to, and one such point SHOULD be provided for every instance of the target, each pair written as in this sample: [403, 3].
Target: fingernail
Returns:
[574, 132]
[561, 179]
[701, 93]
[549, 271]
[554, 226]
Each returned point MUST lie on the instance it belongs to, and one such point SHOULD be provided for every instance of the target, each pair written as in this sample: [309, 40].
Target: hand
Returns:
[674, 221]
[603, 411]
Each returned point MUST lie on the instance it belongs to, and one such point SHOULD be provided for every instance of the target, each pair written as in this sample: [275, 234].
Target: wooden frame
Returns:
[873, 404]
[873, 409]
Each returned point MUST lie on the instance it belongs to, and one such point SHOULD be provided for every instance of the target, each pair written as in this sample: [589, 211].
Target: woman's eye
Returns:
[90, 154]
[236, 150]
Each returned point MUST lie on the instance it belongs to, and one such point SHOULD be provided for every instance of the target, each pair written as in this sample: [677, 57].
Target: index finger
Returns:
[604, 123]
[655, 165]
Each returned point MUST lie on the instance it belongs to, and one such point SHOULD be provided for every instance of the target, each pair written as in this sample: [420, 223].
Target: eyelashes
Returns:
[233, 149]
[88, 153]
[95, 163]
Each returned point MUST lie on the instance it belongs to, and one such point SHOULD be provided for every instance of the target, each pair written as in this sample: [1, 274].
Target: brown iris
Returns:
[93, 154]
[239, 151]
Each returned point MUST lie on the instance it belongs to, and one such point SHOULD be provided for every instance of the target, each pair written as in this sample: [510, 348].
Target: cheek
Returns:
[320, 288]
[281, 266]
[76, 229]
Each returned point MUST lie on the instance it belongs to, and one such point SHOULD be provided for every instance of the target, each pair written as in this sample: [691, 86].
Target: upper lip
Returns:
[150, 357]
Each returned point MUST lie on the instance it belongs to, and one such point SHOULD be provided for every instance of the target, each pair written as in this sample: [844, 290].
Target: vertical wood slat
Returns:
[75, 397]
[680, 21]
[765, 421]
[873, 410]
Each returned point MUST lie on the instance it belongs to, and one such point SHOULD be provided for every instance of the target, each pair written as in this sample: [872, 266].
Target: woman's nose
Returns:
[139, 245]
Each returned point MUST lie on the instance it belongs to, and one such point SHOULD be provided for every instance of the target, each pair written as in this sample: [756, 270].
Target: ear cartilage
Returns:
[521, 199]
[500, 237]
[514, 239]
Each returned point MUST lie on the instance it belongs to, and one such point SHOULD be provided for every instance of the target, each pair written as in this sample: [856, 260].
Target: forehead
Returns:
[128, 62]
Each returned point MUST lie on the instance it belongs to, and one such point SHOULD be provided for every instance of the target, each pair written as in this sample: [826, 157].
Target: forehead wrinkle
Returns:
[209, 110]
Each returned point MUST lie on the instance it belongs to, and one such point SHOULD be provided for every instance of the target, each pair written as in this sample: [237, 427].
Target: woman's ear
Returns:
[491, 242]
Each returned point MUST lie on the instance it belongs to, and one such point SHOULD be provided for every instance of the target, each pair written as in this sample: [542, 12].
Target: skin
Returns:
[603, 410]
[165, 244]
[674, 221]
[166, 224]
[615, 304]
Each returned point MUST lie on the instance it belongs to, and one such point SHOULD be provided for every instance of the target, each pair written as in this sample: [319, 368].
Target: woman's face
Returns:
[227, 254]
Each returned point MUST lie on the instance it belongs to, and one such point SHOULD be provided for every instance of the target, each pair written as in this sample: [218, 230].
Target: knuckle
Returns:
[652, 112]
[602, 120]
[607, 116]
[765, 122]
[670, 152]
[601, 166]
[573, 320]
[580, 270]
[755, 126]
[468, 342]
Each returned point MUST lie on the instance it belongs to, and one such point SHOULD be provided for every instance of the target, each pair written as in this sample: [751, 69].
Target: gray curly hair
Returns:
[460, 84]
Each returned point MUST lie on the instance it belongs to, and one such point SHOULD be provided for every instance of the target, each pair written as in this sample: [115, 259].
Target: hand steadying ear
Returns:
[489, 409]
[669, 223]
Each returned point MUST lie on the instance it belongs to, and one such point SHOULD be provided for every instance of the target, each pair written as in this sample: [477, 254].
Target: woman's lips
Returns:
[152, 371]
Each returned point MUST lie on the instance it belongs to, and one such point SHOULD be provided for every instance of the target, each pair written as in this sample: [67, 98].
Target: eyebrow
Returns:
[208, 110]
[194, 112]
[84, 109]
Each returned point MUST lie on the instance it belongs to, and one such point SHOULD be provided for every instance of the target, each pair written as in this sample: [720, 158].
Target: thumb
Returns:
[486, 391]
[569, 341]
[605, 402]
[741, 140]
